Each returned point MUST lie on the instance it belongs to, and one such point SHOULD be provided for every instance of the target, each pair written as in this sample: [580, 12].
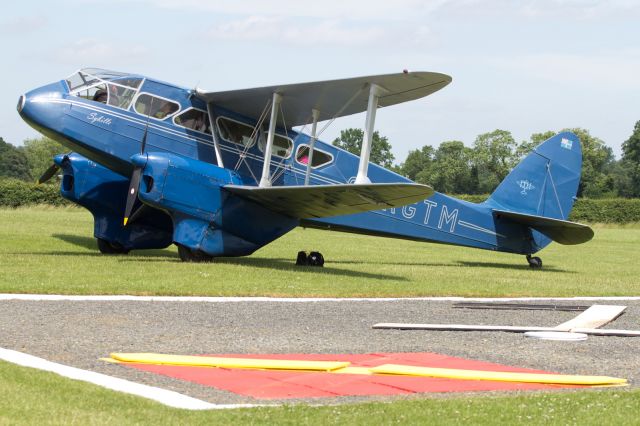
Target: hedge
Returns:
[16, 193]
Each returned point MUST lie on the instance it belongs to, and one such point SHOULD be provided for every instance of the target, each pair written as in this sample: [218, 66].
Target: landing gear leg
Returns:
[107, 247]
[314, 258]
[534, 262]
[188, 255]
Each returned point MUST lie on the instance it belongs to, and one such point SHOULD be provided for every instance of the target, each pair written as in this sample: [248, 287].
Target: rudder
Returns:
[545, 182]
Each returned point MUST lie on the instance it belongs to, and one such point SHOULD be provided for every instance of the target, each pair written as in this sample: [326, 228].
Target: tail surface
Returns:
[545, 183]
[540, 191]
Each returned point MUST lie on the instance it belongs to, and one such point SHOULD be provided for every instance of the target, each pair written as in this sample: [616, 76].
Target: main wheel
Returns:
[188, 255]
[315, 258]
[107, 247]
[534, 262]
[301, 260]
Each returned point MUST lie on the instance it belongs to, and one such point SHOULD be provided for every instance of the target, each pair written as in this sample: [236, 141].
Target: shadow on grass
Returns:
[456, 263]
[276, 265]
[524, 267]
[90, 244]
[289, 265]
[85, 242]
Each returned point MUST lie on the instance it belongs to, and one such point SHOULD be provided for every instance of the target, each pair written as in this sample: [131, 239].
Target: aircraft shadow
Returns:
[289, 265]
[90, 243]
[524, 266]
[85, 242]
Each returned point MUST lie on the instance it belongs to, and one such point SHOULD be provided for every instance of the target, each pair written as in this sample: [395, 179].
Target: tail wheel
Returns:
[107, 247]
[188, 255]
[534, 262]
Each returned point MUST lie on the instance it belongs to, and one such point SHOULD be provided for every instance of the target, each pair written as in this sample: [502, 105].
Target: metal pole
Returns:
[214, 135]
[316, 114]
[265, 180]
[365, 153]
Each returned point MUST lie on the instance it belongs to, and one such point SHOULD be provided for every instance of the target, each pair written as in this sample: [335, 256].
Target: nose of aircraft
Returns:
[21, 101]
[41, 108]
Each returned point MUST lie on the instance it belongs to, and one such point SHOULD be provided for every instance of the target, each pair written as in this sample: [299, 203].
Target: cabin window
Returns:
[194, 119]
[119, 96]
[320, 158]
[235, 132]
[96, 93]
[282, 146]
[110, 88]
[155, 107]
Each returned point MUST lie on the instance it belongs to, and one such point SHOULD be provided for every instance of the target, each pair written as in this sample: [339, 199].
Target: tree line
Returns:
[455, 168]
[452, 167]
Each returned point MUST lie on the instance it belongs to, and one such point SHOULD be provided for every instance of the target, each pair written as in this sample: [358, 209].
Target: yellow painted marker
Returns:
[208, 361]
[499, 376]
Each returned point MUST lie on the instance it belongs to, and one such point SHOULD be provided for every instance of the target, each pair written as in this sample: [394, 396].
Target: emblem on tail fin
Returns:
[566, 143]
[525, 185]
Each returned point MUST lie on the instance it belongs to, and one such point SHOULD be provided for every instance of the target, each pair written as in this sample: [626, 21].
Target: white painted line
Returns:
[163, 396]
[116, 298]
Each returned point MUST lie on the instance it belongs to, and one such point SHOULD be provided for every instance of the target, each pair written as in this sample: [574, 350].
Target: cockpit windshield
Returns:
[109, 87]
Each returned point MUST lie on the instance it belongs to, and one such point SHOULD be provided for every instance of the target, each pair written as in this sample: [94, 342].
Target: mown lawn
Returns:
[33, 397]
[51, 250]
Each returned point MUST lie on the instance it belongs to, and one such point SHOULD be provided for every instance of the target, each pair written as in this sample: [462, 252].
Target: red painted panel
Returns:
[273, 384]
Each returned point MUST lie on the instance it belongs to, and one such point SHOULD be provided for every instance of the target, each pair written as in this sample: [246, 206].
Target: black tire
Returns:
[302, 260]
[534, 262]
[315, 259]
[197, 256]
[107, 247]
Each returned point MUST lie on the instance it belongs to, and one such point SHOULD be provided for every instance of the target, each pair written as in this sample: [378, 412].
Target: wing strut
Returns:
[316, 114]
[374, 94]
[265, 180]
[214, 135]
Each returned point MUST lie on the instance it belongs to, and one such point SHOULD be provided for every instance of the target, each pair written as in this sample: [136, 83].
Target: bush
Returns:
[611, 210]
[16, 193]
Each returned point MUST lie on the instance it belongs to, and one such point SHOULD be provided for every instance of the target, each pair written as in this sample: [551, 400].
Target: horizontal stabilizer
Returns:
[332, 200]
[560, 231]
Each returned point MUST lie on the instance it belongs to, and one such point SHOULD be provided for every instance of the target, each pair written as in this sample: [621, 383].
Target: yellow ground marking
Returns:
[207, 361]
[500, 376]
[343, 367]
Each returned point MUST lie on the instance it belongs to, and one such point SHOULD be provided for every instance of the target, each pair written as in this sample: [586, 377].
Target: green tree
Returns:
[597, 164]
[536, 139]
[351, 140]
[13, 162]
[451, 170]
[628, 179]
[418, 160]
[493, 158]
[40, 153]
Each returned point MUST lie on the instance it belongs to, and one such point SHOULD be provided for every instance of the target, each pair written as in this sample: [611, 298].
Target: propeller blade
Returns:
[49, 173]
[144, 138]
[132, 195]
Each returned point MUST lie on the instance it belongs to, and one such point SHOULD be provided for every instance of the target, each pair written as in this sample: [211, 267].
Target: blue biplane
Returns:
[225, 173]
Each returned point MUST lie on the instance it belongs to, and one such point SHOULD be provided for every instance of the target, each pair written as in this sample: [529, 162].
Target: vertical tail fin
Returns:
[545, 182]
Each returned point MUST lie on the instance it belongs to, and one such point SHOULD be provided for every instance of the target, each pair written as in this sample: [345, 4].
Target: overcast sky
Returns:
[523, 66]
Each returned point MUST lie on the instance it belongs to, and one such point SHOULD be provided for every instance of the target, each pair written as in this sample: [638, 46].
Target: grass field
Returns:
[33, 397]
[51, 250]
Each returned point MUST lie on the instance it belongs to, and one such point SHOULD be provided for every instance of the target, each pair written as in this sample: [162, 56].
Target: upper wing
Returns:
[560, 231]
[332, 200]
[328, 97]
